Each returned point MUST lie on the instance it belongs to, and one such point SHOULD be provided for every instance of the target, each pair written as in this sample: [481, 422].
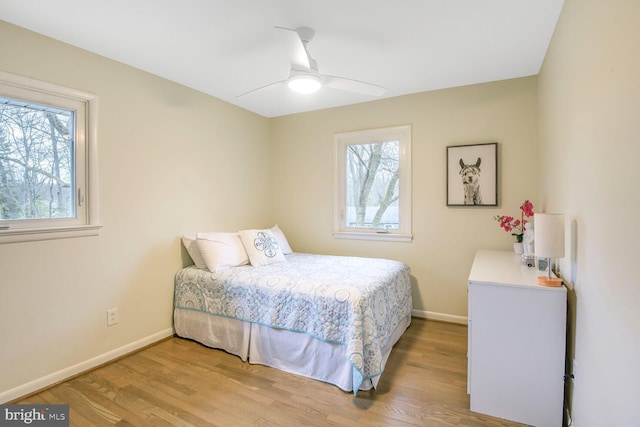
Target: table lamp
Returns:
[549, 238]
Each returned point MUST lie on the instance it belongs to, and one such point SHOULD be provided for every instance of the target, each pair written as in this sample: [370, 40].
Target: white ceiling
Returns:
[227, 47]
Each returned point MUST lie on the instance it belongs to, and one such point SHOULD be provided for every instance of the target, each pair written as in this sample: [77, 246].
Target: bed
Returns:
[330, 318]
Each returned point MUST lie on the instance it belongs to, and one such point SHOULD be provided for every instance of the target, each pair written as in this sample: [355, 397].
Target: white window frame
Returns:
[341, 141]
[85, 105]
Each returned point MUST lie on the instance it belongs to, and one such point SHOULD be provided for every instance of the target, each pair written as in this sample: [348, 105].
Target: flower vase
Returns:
[518, 248]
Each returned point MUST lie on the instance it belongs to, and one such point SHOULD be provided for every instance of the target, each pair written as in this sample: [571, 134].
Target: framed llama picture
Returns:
[472, 175]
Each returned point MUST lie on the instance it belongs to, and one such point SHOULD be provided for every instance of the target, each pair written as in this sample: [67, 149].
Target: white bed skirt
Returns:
[292, 352]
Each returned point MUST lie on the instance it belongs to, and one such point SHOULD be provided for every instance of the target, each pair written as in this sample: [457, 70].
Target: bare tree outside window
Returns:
[372, 189]
[48, 161]
[36, 161]
[372, 184]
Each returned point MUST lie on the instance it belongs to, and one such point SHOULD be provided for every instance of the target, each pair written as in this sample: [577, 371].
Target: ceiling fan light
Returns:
[302, 83]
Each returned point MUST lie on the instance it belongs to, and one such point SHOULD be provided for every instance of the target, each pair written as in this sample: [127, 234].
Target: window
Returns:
[47, 161]
[373, 184]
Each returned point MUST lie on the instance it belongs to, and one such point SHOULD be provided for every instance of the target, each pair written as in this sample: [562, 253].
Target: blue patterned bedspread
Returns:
[351, 301]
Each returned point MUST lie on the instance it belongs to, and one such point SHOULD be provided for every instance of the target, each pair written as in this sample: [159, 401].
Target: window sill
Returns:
[17, 235]
[382, 237]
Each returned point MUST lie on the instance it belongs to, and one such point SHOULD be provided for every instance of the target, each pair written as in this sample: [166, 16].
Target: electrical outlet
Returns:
[112, 316]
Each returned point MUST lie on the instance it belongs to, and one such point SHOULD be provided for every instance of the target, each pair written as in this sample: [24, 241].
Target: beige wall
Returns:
[589, 153]
[445, 239]
[171, 161]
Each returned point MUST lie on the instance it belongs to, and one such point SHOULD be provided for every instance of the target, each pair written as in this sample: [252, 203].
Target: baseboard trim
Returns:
[441, 317]
[87, 365]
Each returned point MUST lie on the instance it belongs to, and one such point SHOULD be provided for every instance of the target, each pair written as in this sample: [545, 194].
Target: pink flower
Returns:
[517, 226]
[527, 208]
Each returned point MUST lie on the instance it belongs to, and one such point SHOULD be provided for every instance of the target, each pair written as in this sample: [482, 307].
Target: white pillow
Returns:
[282, 240]
[189, 242]
[262, 247]
[221, 250]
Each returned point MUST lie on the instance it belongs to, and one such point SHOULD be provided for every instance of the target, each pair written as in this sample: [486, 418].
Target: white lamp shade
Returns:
[549, 235]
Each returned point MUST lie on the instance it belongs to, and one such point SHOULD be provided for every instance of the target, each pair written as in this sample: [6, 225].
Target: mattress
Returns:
[353, 309]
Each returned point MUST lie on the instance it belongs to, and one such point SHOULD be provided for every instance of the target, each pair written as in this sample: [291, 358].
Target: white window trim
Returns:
[88, 224]
[341, 140]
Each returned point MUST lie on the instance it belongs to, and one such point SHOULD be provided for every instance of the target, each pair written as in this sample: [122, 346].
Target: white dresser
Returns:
[516, 352]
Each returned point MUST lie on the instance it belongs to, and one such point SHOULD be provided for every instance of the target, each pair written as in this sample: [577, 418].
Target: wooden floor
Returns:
[180, 382]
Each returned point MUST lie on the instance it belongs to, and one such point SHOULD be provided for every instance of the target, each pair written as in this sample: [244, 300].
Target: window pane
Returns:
[372, 190]
[36, 161]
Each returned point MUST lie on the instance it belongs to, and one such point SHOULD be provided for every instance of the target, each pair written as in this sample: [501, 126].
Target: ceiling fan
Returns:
[304, 76]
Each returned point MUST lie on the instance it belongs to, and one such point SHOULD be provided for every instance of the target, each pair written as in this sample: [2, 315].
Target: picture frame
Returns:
[472, 175]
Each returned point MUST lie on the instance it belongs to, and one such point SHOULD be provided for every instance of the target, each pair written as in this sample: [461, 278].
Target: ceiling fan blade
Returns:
[292, 40]
[261, 87]
[351, 85]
